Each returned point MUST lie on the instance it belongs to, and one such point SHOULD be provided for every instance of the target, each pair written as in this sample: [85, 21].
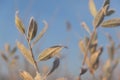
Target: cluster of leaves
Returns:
[8, 55]
[89, 45]
[32, 38]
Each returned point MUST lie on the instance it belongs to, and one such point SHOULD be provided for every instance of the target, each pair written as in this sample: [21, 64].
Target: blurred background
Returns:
[59, 14]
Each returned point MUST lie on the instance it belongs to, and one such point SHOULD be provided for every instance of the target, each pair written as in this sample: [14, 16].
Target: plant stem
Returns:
[92, 35]
[30, 47]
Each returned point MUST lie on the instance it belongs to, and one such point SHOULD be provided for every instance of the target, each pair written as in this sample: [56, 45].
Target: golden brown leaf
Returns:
[82, 46]
[110, 12]
[95, 57]
[7, 47]
[19, 23]
[92, 7]
[26, 76]
[26, 53]
[115, 22]
[107, 66]
[41, 33]
[93, 43]
[86, 27]
[49, 52]
[38, 77]
[100, 16]
[111, 51]
[105, 9]
[32, 31]
[106, 2]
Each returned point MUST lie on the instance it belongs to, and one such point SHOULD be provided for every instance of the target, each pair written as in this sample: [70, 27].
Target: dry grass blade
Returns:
[87, 47]
[111, 51]
[106, 2]
[41, 33]
[115, 22]
[25, 52]
[5, 58]
[89, 65]
[95, 57]
[49, 52]
[25, 75]
[56, 64]
[82, 46]
[86, 40]
[107, 66]
[12, 52]
[111, 47]
[86, 27]
[38, 77]
[115, 63]
[93, 44]
[32, 29]
[109, 38]
[7, 47]
[92, 47]
[100, 16]
[92, 7]
[19, 23]
[110, 12]
[105, 9]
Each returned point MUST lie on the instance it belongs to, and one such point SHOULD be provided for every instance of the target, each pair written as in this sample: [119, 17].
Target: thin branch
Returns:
[30, 47]
[92, 35]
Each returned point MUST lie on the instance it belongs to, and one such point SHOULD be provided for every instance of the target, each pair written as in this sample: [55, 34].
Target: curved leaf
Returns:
[41, 33]
[56, 64]
[92, 7]
[25, 75]
[49, 52]
[111, 23]
[100, 16]
[32, 31]
[38, 77]
[110, 12]
[19, 23]
[26, 53]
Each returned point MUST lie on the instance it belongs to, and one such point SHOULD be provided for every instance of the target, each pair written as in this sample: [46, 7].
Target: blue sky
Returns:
[56, 13]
